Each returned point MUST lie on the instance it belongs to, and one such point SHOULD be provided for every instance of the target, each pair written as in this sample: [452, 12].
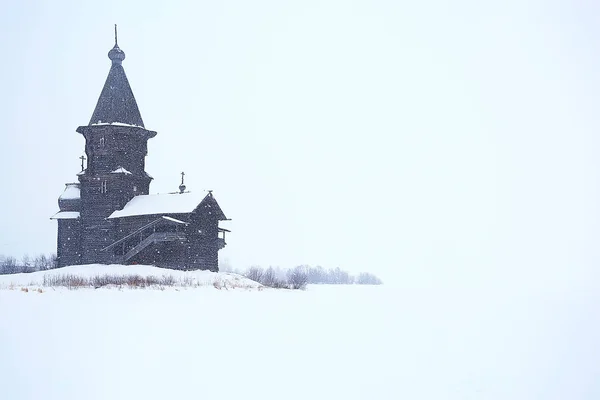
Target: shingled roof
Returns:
[116, 102]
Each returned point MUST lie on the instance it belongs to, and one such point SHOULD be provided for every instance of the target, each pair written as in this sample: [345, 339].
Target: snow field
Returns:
[347, 342]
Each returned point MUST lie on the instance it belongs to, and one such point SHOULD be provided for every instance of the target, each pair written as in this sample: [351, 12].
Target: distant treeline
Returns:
[304, 274]
[42, 262]
[295, 278]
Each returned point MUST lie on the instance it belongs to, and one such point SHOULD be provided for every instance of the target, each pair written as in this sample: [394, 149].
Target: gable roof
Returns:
[116, 102]
[209, 206]
[149, 204]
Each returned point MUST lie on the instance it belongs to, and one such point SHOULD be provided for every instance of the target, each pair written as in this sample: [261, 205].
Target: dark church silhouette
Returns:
[109, 217]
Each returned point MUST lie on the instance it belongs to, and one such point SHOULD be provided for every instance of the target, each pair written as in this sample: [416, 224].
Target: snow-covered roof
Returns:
[116, 123]
[149, 204]
[66, 215]
[121, 170]
[71, 192]
[174, 220]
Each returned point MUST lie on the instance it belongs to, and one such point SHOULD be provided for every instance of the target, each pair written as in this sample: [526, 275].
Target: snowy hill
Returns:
[98, 275]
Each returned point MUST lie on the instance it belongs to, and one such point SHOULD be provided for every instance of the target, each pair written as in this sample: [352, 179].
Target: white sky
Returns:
[415, 139]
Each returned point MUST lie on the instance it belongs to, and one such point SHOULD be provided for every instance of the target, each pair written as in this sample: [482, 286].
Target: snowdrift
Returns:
[105, 276]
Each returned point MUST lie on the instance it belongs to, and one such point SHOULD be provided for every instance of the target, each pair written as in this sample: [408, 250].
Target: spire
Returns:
[182, 186]
[116, 102]
[116, 55]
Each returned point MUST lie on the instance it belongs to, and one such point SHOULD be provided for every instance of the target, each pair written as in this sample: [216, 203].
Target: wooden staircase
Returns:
[155, 237]
[147, 235]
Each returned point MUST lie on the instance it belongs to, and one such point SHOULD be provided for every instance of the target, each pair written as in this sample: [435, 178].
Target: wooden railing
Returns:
[152, 239]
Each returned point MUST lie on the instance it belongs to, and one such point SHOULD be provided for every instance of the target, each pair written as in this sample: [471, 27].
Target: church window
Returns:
[135, 188]
[102, 141]
[103, 187]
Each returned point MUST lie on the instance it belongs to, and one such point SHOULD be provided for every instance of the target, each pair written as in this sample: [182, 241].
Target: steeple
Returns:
[116, 102]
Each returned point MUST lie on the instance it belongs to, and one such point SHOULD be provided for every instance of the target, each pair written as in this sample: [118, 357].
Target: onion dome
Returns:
[70, 199]
[116, 55]
[182, 186]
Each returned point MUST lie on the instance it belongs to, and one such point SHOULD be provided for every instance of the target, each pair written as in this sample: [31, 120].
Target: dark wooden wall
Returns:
[68, 249]
[109, 147]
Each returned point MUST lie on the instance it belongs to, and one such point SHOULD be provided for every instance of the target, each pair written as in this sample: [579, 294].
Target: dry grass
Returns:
[131, 281]
[187, 281]
[217, 284]
[136, 281]
[70, 281]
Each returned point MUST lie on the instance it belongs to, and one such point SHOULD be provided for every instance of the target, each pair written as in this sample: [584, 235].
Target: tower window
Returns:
[103, 187]
[102, 141]
[135, 188]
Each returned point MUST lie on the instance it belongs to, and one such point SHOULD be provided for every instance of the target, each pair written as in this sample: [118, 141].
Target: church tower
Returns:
[116, 147]
[109, 217]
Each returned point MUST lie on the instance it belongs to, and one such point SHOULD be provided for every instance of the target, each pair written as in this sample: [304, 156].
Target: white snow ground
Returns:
[346, 342]
[188, 278]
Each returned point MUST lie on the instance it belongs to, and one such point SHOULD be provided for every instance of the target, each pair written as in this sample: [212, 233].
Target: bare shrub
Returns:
[269, 278]
[279, 284]
[26, 264]
[278, 278]
[74, 282]
[99, 281]
[69, 281]
[317, 275]
[41, 263]
[338, 277]
[298, 278]
[365, 278]
[133, 281]
[153, 280]
[254, 273]
[9, 266]
[187, 281]
[167, 280]
[138, 281]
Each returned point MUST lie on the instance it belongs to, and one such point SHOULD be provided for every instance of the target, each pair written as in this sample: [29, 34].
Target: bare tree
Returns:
[53, 261]
[39, 262]
[365, 278]
[9, 265]
[317, 275]
[298, 277]
[254, 273]
[269, 277]
[27, 264]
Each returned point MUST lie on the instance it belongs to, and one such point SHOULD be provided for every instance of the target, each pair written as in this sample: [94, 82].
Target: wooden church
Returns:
[109, 217]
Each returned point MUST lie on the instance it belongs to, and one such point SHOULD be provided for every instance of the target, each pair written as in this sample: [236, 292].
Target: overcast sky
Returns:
[420, 140]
